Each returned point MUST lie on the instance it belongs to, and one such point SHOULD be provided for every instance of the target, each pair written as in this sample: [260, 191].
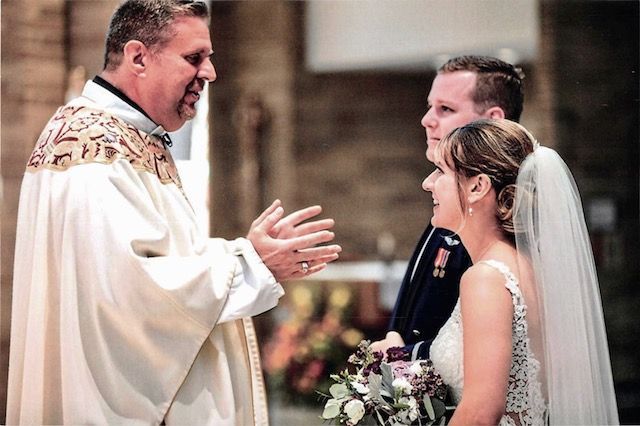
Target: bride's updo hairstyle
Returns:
[495, 148]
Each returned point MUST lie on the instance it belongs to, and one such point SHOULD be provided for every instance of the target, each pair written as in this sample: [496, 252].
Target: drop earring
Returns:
[470, 211]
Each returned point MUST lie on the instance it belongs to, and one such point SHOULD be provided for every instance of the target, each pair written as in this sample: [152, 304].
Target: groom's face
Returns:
[450, 106]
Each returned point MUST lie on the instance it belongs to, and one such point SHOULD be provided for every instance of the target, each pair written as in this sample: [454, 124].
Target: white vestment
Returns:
[123, 313]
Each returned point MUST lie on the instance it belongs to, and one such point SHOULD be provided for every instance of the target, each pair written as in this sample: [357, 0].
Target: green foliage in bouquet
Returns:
[313, 340]
[395, 391]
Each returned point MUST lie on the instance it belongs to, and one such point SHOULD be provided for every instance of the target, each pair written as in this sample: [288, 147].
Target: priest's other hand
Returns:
[289, 247]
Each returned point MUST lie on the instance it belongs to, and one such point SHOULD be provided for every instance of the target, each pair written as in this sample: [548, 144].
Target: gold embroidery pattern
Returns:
[80, 135]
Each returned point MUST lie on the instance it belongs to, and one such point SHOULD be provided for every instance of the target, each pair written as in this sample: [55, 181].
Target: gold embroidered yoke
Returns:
[79, 134]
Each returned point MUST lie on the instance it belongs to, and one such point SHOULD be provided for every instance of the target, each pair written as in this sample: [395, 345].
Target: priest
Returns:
[123, 312]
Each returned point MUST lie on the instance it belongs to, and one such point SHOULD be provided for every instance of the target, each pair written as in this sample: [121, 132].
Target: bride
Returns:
[526, 342]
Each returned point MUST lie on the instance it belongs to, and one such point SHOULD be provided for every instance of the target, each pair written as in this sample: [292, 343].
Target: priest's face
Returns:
[177, 73]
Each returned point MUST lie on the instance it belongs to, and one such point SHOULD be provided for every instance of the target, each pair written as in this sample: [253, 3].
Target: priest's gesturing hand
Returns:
[288, 245]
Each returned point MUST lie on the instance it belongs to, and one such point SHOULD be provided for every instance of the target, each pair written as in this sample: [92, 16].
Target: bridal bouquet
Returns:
[395, 391]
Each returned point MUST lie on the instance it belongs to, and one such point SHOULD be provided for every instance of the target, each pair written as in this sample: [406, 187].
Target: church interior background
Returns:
[296, 115]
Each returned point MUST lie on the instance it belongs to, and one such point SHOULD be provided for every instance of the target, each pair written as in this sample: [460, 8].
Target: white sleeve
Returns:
[216, 280]
[253, 292]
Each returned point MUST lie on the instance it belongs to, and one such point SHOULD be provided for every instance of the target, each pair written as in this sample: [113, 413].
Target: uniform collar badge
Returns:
[451, 241]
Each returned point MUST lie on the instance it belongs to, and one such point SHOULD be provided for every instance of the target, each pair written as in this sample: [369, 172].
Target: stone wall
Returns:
[597, 119]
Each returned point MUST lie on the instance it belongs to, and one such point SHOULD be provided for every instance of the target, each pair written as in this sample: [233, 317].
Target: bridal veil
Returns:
[551, 231]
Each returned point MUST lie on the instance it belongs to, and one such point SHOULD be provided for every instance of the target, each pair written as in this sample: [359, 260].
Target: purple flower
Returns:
[374, 364]
[396, 353]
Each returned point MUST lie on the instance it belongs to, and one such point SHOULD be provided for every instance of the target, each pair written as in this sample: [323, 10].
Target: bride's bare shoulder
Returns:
[482, 278]
[483, 294]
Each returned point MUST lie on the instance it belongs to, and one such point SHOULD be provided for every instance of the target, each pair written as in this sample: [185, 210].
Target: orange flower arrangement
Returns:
[314, 339]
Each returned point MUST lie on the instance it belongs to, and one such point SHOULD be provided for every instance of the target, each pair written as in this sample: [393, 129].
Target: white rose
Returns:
[416, 369]
[401, 384]
[331, 409]
[360, 388]
[413, 408]
[354, 409]
[339, 390]
[407, 415]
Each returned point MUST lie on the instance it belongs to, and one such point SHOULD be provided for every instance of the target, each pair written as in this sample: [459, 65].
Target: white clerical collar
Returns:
[116, 106]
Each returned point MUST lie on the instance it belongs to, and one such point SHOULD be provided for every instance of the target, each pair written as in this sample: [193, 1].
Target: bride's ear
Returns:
[478, 187]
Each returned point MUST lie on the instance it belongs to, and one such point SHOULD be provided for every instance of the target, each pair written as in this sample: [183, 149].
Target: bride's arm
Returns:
[487, 313]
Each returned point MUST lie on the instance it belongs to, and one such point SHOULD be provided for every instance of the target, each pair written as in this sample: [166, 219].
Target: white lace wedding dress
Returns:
[525, 404]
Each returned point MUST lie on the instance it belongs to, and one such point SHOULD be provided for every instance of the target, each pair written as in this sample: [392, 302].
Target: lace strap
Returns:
[511, 283]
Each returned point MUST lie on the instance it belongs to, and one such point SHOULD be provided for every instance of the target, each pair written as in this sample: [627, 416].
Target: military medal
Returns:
[440, 262]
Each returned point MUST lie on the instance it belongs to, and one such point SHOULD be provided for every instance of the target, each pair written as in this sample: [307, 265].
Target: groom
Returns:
[466, 88]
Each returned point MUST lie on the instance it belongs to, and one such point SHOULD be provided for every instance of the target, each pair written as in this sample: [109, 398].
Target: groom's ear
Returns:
[494, 113]
[478, 187]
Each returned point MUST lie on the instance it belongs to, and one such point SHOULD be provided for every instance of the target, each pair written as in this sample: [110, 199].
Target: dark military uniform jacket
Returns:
[426, 301]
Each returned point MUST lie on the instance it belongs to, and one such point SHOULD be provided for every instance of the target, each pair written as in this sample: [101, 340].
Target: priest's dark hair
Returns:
[148, 21]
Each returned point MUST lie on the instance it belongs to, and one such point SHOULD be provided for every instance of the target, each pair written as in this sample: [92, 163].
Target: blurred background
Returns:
[319, 102]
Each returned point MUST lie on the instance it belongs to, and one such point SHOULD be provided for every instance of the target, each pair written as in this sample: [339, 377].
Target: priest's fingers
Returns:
[300, 273]
[299, 216]
[286, 264]
[264, 227]
[310, 240]
[315, 226]
[286, 232]
[287, 226]
[308, 267]
[322, 254]
[317, 268]
[269, 210]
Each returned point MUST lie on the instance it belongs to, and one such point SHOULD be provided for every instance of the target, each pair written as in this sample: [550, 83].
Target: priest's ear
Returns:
[135, 57]
[478, 187]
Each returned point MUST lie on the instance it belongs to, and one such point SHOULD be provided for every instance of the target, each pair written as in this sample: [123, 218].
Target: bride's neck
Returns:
[481, 242]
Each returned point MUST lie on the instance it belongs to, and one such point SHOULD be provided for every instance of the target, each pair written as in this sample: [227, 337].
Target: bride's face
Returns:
[443, 185]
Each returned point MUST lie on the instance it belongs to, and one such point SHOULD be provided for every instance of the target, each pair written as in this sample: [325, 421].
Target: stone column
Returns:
[33, 85]
[255, 56]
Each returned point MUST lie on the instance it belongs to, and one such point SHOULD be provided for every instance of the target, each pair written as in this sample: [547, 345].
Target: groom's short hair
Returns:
[498, 83]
